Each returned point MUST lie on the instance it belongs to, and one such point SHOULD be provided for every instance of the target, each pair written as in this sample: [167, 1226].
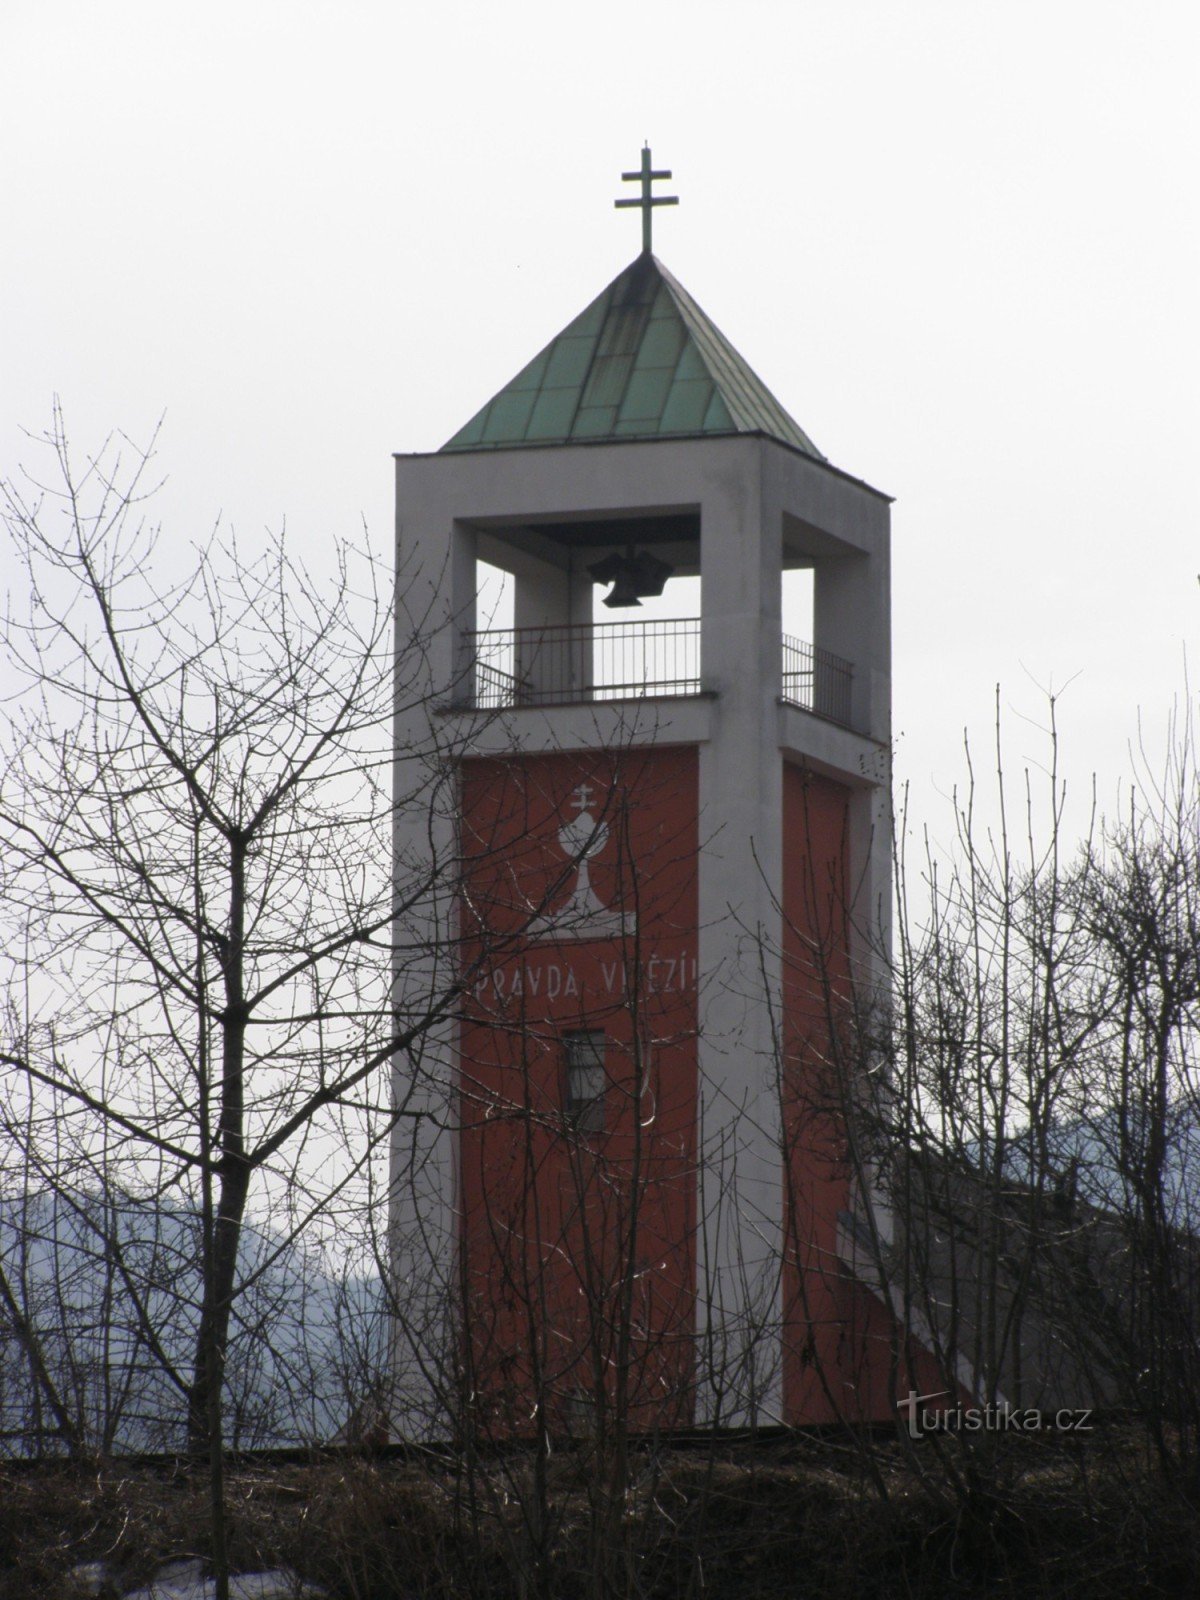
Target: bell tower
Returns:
[620, 1174]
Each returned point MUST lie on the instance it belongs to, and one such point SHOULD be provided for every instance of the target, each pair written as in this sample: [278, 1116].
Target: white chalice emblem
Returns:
[582, 915]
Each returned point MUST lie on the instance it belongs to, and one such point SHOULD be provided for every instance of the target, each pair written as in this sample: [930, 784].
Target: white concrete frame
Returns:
[762, 506]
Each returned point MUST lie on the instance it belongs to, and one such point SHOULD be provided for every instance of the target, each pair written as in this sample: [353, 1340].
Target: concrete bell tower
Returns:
[621, 1176]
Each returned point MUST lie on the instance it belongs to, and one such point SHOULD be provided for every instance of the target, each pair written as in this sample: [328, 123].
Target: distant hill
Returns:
[1099, 1160]
[104, 1290]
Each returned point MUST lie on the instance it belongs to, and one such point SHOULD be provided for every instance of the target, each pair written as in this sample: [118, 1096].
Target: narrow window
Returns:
[586, 1080]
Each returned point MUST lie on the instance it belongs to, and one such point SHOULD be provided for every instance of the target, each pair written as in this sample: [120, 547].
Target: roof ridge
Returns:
[776, 417]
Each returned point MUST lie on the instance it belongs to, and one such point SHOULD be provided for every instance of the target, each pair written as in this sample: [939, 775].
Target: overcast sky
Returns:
[959, 241]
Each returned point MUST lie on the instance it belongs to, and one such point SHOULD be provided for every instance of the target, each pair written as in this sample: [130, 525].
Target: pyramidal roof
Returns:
[642, 362]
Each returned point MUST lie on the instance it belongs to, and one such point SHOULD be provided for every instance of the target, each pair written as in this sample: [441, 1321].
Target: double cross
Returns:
[646, 200]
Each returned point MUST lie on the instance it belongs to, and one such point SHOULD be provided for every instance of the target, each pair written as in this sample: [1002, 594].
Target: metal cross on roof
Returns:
[646, 177]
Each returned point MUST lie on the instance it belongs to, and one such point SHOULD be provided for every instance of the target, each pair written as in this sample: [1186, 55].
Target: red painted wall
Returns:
[816, 1002]
[842, 1357]
[576, 1268]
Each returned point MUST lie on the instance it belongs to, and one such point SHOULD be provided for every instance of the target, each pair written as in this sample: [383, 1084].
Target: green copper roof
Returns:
[642, 362]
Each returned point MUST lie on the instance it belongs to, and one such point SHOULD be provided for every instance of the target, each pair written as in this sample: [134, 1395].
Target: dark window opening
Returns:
[586, 1079]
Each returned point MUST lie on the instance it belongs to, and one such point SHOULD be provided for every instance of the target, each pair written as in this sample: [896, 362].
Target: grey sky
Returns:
[959, 241]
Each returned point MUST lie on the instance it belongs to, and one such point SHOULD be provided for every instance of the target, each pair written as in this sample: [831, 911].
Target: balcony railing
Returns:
[585, 661]
[817, 680]
[590, 661]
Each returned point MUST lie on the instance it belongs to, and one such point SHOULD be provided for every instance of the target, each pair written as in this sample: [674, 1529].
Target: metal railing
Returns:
[494, 687]
[585, 661]
[817, 680]
[592, 661]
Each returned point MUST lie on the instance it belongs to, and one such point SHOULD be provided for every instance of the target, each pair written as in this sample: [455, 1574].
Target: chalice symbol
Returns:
[583, 915]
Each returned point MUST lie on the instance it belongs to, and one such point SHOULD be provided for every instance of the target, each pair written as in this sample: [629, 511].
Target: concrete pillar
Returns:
[552, 615]
[740, 1198]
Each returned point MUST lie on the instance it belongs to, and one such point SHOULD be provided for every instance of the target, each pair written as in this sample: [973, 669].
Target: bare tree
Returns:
[1133, 1152]
[197, 895]
[1038, 1121]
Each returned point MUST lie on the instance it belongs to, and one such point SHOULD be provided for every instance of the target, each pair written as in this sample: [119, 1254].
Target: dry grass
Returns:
[794, 1519]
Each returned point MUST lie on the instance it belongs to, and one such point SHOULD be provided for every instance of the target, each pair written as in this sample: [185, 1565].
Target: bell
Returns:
[633, 577]
[624, 591]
